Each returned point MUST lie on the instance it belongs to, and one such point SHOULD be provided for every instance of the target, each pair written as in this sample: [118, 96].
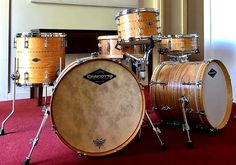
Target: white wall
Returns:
[220, 36]
[27, 16]
[4, 32]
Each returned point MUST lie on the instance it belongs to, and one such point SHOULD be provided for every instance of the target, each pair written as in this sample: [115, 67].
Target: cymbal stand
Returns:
[184, 101]
[140, 63]
[14, 77]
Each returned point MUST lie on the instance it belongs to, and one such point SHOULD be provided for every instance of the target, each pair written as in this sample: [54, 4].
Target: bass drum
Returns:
[97, 106]
[206, 85]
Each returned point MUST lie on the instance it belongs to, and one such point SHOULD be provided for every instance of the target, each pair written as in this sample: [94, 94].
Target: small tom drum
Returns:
[136, 25]
[39, 57]
[206, 85]
[178, 45]
[97, 106]
[109, 48]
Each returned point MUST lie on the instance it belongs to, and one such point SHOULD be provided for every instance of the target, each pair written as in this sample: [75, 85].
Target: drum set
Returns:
[98, 104]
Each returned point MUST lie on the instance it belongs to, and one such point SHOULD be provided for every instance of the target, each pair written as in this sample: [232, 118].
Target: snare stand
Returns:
[140, 64]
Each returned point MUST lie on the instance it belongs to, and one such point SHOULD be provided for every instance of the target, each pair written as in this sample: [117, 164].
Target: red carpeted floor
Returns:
[209, 147]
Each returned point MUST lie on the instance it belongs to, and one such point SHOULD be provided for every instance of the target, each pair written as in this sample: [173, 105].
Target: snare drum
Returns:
[136, 25]
[39, 57]
[206, 85]
[181, 44]
[97, 106]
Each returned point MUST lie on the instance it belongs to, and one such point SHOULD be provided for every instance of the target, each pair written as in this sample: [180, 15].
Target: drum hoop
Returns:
[133, 134]
[51, 34]
[107, 37]
[229, 93]
[182, 36]
[135, 10]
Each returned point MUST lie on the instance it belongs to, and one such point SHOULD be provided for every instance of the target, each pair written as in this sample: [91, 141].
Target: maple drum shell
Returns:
[206, 85]
[39, 57]
[106, 110]
[137, 24]
[107, 47]
[180, 44]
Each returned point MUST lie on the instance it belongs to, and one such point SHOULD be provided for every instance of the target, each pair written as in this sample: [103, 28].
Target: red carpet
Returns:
[209, 148]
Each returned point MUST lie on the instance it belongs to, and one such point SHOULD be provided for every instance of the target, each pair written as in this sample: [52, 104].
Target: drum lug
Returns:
[165, 108]
[26, 42]
[199, 83]
[160, 83]
[46, 42]
[188, 110]
[26, 77]
[154, 108]
[54, 129]
[14, 42]
[201, 113]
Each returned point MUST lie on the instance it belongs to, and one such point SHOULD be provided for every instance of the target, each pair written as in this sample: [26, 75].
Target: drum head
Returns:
[217, 94]
[97, 107]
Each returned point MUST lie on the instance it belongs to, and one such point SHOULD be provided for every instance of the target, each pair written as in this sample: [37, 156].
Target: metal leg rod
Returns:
[186, 127]
[35, 140]
[157, 131]
[12, 111]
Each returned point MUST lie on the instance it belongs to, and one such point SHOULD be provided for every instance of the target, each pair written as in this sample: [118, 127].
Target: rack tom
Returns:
[137, 25]
[39, 57]
[180, 44]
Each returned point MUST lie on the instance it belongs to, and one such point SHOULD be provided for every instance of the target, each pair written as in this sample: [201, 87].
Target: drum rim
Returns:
[44, 34]
[135, 10]
[181, 36]
[132, 135]
[105, 37]
[228, 110]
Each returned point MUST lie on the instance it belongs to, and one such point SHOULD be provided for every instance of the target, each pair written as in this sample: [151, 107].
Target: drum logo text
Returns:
[99, 76]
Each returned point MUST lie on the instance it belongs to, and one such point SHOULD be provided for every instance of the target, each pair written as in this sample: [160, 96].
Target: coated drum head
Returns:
[217, 94]
[97, 107]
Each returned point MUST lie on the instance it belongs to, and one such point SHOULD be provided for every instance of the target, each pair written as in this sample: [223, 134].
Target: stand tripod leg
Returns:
[35, 140]
[157, 131]
[186, 127]
[2, 132]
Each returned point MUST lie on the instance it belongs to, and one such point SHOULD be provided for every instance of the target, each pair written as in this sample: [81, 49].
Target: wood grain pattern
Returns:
[173, 80]
[41, 56]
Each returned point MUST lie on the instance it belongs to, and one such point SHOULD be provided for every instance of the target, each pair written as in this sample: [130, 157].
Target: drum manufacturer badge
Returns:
[99, 76]
[36, 59]
[212, 73]
[99, 142]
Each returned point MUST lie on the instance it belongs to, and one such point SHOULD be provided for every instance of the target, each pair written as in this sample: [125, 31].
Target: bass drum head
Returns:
[97, 107]
[217, 94]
